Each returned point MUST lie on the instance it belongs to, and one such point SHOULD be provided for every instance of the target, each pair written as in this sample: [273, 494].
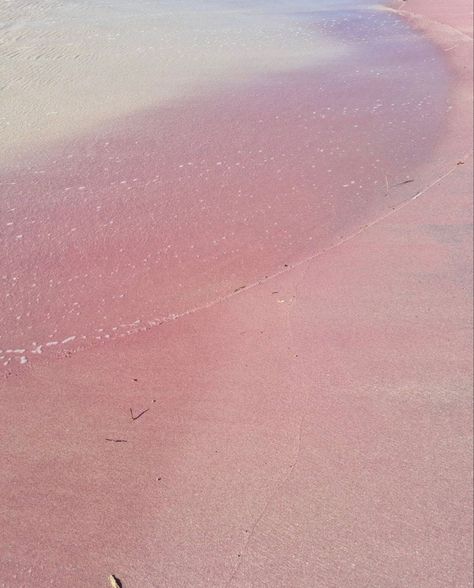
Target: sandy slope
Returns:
[314, 430]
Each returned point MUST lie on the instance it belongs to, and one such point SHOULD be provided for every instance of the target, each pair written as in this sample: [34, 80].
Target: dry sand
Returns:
[313, 430]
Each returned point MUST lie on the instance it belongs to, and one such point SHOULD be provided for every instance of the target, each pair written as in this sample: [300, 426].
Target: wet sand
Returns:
[174, 208]
[314, 429]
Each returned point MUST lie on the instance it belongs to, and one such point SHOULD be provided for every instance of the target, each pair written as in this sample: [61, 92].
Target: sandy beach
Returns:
[170, 209]
[244, 351]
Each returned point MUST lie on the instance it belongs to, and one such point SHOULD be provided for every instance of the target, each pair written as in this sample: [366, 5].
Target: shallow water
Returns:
[66, 66]
[168, 208]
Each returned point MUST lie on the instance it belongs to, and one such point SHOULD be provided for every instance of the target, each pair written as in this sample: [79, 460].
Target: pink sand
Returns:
[169, 210]
[314, 430]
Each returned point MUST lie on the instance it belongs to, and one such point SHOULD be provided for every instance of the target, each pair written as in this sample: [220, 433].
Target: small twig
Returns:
[118, 440]
[134, 418]
[403, 183]
[387, 187]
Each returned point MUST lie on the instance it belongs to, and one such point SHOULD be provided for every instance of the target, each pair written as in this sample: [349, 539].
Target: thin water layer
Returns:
[67, 66]
[171, 208]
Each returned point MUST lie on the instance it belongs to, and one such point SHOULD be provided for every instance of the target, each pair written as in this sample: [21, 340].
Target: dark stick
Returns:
[403, 183]
[134, 418]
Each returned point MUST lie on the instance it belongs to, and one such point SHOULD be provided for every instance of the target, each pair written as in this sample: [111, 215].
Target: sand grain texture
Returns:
[313, 430]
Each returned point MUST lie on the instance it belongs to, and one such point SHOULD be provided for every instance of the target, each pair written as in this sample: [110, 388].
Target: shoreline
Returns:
[316, 428]
[351, 179]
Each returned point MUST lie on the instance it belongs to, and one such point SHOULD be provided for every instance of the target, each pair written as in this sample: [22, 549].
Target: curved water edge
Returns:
[174, 208]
